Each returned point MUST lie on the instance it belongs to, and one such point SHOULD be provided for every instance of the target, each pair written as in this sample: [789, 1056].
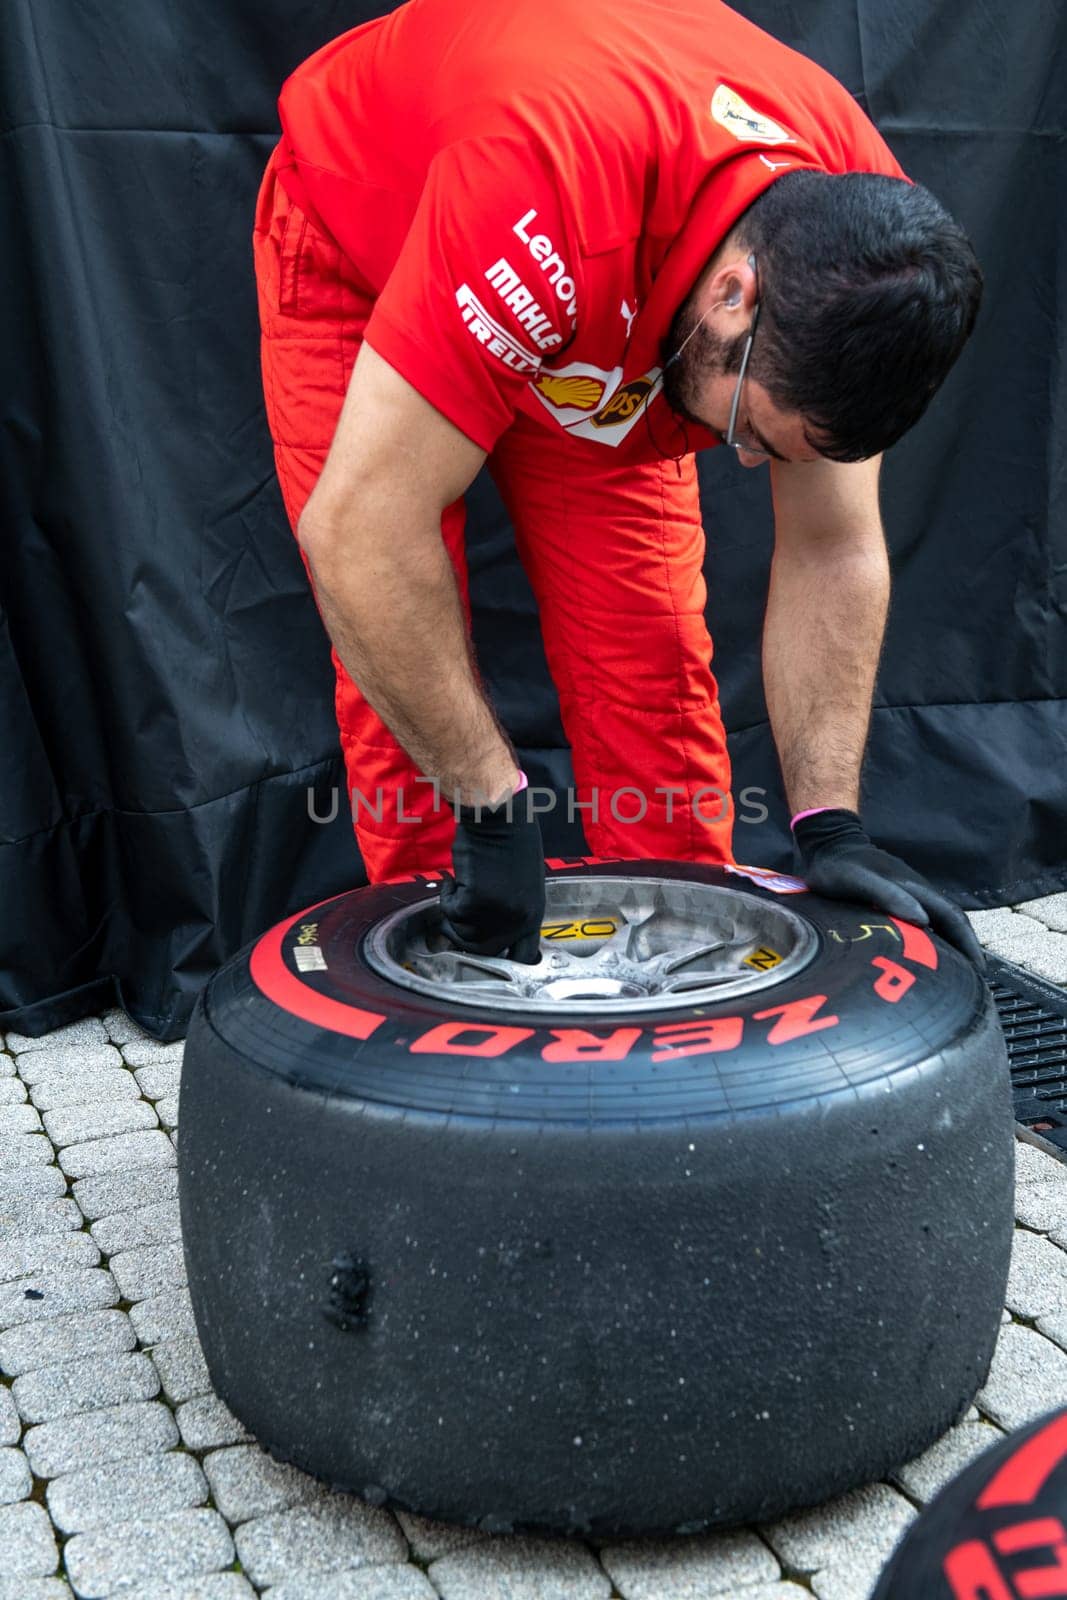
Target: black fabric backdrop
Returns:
[166, 688]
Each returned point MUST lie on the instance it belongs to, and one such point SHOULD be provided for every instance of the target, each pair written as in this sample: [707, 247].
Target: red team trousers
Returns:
[613, 554]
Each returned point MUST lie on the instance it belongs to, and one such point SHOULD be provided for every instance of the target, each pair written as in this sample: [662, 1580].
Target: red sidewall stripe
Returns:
[272, 978]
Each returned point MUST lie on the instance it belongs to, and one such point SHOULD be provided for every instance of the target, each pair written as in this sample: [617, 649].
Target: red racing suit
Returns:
[509, 203]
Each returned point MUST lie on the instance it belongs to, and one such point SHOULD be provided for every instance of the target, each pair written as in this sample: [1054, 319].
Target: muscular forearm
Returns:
[822, 639]
[387, 593]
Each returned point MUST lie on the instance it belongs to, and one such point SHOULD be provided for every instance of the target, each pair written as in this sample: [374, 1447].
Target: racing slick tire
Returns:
[997, 1530]
[688, 1239]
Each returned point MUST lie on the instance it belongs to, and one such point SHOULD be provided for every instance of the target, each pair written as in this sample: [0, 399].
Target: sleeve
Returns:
[484, 288]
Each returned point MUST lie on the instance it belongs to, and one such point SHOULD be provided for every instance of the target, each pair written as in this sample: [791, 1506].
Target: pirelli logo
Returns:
[496, 339]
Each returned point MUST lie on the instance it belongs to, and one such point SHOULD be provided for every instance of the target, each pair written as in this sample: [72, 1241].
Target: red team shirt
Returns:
[531, 189]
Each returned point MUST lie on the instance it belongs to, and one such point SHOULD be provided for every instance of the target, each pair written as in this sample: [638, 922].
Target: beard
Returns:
[706, 355]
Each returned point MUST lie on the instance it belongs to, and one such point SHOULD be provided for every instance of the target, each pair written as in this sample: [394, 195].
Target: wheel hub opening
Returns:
[607, 944]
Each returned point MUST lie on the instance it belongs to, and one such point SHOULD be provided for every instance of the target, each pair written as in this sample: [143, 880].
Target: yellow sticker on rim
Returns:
[593, 928]
[762, 959]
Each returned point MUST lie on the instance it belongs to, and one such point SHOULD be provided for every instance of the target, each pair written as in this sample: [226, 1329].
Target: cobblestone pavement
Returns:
[122, 1474]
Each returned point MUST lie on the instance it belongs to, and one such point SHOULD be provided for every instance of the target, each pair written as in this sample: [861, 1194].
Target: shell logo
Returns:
[582, 394]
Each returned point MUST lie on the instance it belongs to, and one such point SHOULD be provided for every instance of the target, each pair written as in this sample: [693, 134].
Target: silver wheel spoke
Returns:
[696, 953]
[461, 966]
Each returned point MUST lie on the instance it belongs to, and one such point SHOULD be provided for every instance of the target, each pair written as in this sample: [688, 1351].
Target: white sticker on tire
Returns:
[309, 958]
[780, 882]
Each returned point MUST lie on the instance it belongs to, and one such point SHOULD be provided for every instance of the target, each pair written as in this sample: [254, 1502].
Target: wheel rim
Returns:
[611, 944]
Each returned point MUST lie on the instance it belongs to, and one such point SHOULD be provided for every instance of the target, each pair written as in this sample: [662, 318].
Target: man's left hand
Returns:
[839, 860]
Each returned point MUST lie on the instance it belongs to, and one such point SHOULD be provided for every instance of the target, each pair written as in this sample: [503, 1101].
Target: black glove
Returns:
[495, 903]
[838, 860]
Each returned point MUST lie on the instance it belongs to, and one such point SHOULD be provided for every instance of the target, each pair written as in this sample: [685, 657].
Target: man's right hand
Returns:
[494, 904]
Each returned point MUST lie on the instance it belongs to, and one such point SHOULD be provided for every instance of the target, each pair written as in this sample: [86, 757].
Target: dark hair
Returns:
[868, 292]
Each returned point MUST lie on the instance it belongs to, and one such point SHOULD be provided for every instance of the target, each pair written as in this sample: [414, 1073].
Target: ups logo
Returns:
[624, 403]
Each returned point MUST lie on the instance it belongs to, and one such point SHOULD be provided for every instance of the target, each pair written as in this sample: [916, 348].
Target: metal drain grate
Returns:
[1033, 1014]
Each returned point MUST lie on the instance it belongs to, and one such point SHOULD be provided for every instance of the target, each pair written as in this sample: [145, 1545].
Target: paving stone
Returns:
[520, 1569]
[1002, 923]
[183, 1372]
[126, 1491]
[946, 1459]
[1043, 1206]
[246, 1482]
[842, 1582]
[1037, 1281]
[10, 1425]
[34, 1589]
[164, 1317]
[125, 1191]
[97, 1120]
[688, 1568]
[1028, 1377]
[85, 1333]
[366, 1583]
[1045, 955]
[12, 1091]
[48, 1252]
[847, 1538]
[18, 1119]
[149, 1270]
[20, 1219]
[86, 1385]
[16, 1480]
[87, 1032]
[1051, 909]
[92, 1437]
[762, 1591]
[49, 1294]
[336, 1533]
[25, 1150]
[27, 1541]
[1036, 1166]
[1032, 948]
[207, 1422]
[1054, 1328]
[121, 1028]
[1032, 921]
[31, 1183]
[116, 1154]
[429, 1539]
[149, 1053]
[65, 1063]
[1007, 933]
[161, 1080]
[84, 1088]
[1059, 1237]
[209, 1586]
[164, 1549]
[126, 1230]
[167, 1111]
